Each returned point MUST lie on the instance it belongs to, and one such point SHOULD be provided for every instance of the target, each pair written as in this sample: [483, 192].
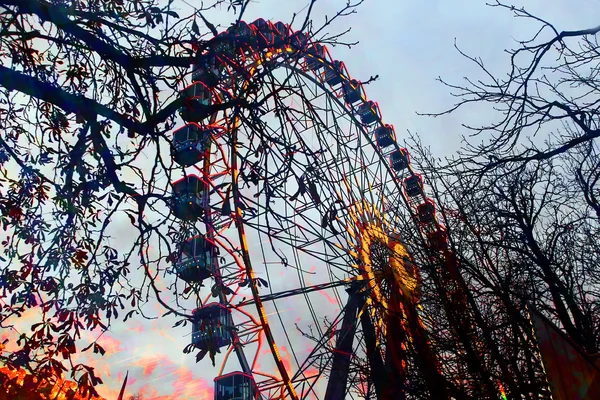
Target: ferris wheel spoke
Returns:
[296, 292]
[320, 356]
[338, 358]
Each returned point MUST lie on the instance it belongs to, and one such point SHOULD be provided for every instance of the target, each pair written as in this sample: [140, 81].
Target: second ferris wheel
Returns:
[289, 242]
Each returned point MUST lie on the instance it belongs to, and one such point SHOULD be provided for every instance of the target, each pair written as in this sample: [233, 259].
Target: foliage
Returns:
[19, 385]
[76, 76]
[89, 95]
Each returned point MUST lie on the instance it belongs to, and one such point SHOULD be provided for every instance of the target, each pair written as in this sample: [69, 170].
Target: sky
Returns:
[409, 44]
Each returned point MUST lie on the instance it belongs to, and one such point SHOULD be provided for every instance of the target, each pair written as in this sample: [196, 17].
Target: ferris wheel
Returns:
[290, 204]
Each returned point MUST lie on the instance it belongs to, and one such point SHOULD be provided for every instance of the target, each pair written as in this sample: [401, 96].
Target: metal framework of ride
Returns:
[291, 192]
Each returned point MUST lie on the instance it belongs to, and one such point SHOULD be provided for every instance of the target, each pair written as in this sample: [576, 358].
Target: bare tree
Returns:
[522, 236]
[546, 104]
[521, 198]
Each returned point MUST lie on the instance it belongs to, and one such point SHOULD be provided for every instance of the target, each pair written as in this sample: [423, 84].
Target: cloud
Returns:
[150, 367]
[158, 376]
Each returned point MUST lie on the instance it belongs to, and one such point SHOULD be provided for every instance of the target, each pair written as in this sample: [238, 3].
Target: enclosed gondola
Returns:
[367, 112]
[438, 239]
[236, 386]
[426, 212]
[314, 61]
[244, 37]
[298, 40]
[400, 159]
[333, 73]
[187, 203]
[413, 185]
[265, 32]
[207, 70]
[352, 91]
[385, 136]
[189, 144]
[196, 259]
[282, 29]
[197, 98]
[212, 327]
[240, 30]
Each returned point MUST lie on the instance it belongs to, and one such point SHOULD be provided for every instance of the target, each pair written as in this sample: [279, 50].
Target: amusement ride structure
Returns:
[290, 200]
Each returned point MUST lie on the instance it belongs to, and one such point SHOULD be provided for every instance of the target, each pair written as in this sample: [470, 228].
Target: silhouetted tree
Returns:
[545, 105]
[522, 211]
[87, 89]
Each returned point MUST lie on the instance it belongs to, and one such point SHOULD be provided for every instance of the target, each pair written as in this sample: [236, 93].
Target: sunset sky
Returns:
[409, 44]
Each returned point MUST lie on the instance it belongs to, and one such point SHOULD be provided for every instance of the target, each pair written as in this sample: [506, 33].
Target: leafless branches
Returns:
[546, 105]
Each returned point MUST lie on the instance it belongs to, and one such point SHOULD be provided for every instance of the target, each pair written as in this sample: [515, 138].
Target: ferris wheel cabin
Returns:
[187, 202]
[438, 239]
[189, 144]
[352, 91]
[333, 73]
[240, 33]
[197, 98]
[236, 386]
[225, 44]
[299, 40]
[196, 259]
[243, 36]
[385, 136]
[212, 327]
[265, 32]
[413, 185]
[282, 29]
[400, 159]
[240, 29]
[426, 212]
[367, 112]
[315, 61]
[207, 70]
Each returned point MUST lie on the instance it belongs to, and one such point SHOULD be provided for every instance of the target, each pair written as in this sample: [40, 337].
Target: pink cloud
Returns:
[150, 367]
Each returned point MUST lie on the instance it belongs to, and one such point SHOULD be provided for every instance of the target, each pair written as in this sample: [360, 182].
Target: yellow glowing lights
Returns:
[371, 228]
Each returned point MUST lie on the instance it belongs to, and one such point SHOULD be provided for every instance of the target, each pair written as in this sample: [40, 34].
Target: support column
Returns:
[338, 379]
[383, 388]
